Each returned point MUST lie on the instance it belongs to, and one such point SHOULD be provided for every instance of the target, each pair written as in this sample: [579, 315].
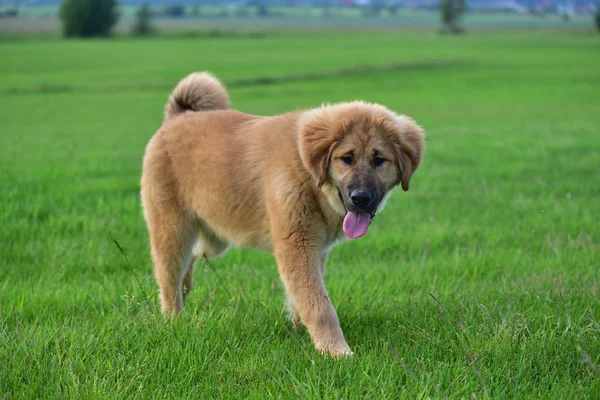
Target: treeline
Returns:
[87, 18]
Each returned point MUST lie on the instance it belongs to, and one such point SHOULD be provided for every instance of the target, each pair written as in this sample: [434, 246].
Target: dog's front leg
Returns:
[302, 275]
[294, 315]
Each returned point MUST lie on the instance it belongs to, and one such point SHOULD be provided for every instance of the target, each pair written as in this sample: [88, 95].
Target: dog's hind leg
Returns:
[188, 279]
[207, 245]
[171, 252]
[173, 229]
[172, 235]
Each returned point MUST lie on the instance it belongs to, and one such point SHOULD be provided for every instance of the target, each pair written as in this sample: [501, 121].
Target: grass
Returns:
[481, 281]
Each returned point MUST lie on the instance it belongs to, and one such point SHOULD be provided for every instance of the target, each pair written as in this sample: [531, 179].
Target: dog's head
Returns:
[357, 153]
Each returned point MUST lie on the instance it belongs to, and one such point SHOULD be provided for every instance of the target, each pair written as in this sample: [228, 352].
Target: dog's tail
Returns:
[199, 91]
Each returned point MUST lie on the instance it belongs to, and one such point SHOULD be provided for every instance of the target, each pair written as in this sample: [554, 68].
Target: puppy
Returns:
[293, 184]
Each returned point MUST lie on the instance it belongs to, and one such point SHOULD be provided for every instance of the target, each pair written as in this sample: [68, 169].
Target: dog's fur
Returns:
[214, 177]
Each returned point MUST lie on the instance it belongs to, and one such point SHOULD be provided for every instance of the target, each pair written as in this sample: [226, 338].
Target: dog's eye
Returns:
[378, 161]
[348, 159]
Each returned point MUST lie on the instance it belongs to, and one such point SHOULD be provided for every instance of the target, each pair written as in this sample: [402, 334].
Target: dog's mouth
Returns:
[356, 223]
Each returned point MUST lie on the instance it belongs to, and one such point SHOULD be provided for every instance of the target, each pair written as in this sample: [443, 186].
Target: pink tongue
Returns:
[356, 224]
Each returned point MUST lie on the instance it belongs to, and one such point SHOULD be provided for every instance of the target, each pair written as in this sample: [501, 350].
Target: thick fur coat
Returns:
[292, 184]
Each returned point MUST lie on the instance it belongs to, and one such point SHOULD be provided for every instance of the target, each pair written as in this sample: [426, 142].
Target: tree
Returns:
[87, 18]
[12, 13]
[393, 9]
[143, 25]
[451, 11]
[262, 10]
[175, 11]
[261, 7]
[598, 18]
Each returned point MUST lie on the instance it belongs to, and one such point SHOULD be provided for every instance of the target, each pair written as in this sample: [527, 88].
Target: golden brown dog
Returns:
[293, 184]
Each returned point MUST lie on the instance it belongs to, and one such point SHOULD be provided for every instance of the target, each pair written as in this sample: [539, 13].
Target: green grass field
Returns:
[482, 281]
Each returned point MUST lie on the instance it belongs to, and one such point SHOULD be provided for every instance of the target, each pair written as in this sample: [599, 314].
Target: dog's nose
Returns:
[360, 198]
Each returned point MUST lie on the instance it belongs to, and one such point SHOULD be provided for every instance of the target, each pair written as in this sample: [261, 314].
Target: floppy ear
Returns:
[409, 145]
[316, 143]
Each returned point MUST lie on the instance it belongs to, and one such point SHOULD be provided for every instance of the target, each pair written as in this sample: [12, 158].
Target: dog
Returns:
[293, 184]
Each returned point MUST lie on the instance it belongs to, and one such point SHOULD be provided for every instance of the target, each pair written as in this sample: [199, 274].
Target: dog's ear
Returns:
[408, 141]
[316, 143]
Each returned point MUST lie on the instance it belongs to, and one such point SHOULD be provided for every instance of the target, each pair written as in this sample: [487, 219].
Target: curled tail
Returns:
[199, 91]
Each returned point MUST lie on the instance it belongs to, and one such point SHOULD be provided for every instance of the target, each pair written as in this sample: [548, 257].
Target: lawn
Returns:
[481, 281]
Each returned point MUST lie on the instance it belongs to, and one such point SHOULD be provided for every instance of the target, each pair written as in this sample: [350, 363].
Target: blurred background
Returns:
[43, 16]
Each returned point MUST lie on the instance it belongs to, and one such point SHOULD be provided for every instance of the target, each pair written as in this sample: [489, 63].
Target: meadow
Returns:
[482, 281]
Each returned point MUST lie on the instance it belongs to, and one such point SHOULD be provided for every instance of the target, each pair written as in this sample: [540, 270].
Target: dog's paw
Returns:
[340, 353]
[337, 350]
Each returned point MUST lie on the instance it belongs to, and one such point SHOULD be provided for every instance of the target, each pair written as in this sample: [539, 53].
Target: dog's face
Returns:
[359, 152]
[363, 169]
